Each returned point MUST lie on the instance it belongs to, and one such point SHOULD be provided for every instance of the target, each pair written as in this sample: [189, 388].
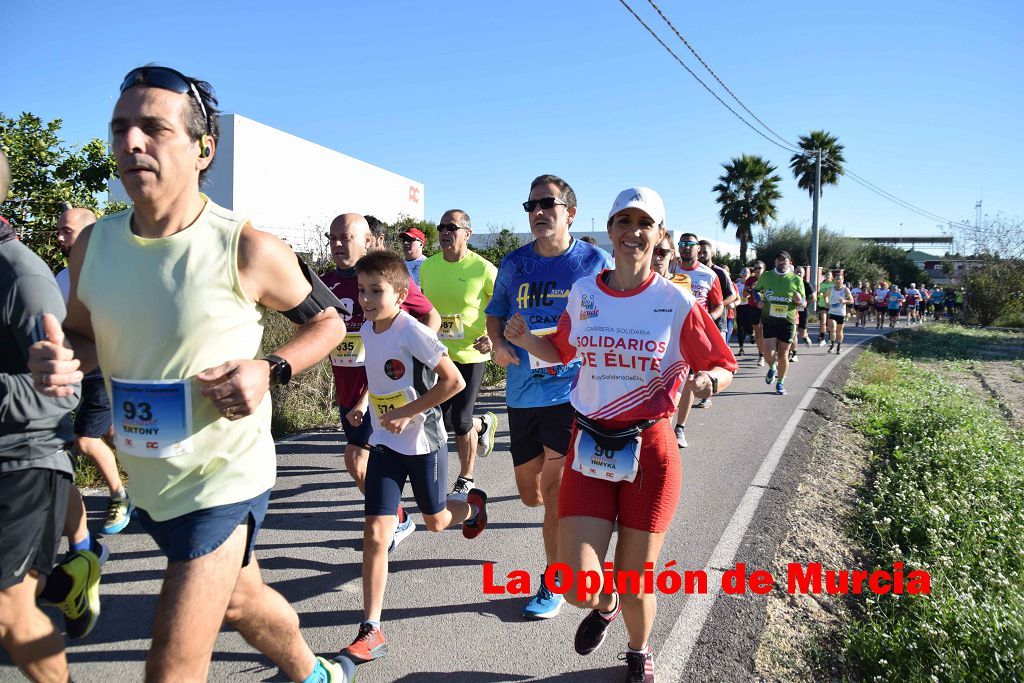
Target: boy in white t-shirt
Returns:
[409, 374]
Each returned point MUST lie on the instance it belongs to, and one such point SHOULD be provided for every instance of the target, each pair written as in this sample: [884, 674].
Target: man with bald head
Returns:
[93, 418]
[350, 238]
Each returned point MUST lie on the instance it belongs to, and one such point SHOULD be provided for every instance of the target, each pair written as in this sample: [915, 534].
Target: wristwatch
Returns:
[280, 370]
[714, 382]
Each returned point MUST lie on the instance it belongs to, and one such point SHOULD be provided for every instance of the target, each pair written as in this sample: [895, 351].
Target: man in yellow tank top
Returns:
[169, 297]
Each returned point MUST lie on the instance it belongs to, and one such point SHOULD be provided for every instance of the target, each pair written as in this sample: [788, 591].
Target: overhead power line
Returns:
[782, 142]
[711, 71]
[706, 87]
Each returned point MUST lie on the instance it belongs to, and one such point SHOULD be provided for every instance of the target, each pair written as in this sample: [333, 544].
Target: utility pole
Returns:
[812, 305]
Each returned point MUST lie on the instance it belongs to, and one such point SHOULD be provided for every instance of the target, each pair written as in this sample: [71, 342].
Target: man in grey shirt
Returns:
[35, 477]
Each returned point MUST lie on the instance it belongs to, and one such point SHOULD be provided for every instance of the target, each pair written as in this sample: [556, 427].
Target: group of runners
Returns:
[605, 355]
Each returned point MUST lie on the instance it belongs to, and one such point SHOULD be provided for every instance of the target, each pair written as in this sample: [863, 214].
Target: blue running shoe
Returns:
[543, 605]
[119, 513]
[780, 389]
[770, 376]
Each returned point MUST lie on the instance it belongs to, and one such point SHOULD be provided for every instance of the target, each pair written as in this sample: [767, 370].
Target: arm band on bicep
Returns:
[319, 300]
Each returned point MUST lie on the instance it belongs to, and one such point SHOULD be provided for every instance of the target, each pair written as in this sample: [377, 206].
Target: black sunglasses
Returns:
[409, 240]
[166, 78]
[544, 203]
[448, 227]
[661, 252]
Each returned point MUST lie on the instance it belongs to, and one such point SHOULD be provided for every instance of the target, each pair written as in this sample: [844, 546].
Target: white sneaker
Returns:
[462, 488]
[402, 532]
[680, 437]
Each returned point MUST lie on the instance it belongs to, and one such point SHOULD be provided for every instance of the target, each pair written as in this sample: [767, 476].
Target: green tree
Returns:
[501, 244]
[895, 262]
[995, 289]
[428, 228]
[832, 160]
[747, 193]
[834, 249]
[46, 174]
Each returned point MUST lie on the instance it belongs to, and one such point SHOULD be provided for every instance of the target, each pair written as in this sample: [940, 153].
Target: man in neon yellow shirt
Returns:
[460, 283]
[169, 296]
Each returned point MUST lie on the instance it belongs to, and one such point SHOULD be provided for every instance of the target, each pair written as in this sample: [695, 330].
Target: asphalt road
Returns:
[438, 621]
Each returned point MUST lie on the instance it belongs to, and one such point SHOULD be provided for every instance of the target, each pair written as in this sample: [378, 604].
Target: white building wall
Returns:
[293, 187]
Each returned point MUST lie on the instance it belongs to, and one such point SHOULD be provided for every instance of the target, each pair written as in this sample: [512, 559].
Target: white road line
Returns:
[675, 655]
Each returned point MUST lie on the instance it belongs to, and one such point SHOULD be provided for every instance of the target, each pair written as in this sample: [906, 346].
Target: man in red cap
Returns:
[412, 245]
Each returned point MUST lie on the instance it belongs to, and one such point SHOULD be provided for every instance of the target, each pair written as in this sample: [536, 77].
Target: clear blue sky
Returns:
[474, 99]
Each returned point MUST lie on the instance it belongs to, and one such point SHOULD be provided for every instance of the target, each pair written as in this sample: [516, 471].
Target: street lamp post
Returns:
[812, 305]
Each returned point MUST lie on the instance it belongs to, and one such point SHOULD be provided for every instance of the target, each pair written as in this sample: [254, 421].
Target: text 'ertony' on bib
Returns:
[152, 419]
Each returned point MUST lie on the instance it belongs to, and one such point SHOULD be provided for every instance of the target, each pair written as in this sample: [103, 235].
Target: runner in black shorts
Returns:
[534, 281]
[459, 283]
[35, 476]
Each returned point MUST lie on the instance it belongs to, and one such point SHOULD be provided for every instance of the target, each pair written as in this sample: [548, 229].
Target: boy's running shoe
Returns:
[471, 528]
[369, 645]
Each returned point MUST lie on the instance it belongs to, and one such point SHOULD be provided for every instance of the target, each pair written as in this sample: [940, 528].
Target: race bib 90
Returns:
[152, 419]
[601, 463]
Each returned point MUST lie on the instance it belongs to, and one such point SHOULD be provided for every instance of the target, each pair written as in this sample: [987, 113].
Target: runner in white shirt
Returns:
[838, 299]
[409, 375]
[707, 289]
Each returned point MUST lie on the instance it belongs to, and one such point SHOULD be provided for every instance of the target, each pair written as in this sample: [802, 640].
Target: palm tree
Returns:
[747, 193]
[831, 160]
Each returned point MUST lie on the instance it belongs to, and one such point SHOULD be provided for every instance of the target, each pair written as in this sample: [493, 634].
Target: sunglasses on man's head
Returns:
[166, 78]
[448, 227]
[544, 203]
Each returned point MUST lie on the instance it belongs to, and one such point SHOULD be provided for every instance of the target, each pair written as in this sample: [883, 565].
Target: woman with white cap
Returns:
[639, 335]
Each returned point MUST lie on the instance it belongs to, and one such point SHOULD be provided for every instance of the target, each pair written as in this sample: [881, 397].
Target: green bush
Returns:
[944, 494]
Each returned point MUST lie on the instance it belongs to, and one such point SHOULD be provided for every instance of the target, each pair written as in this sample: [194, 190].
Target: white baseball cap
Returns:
[643, 198]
